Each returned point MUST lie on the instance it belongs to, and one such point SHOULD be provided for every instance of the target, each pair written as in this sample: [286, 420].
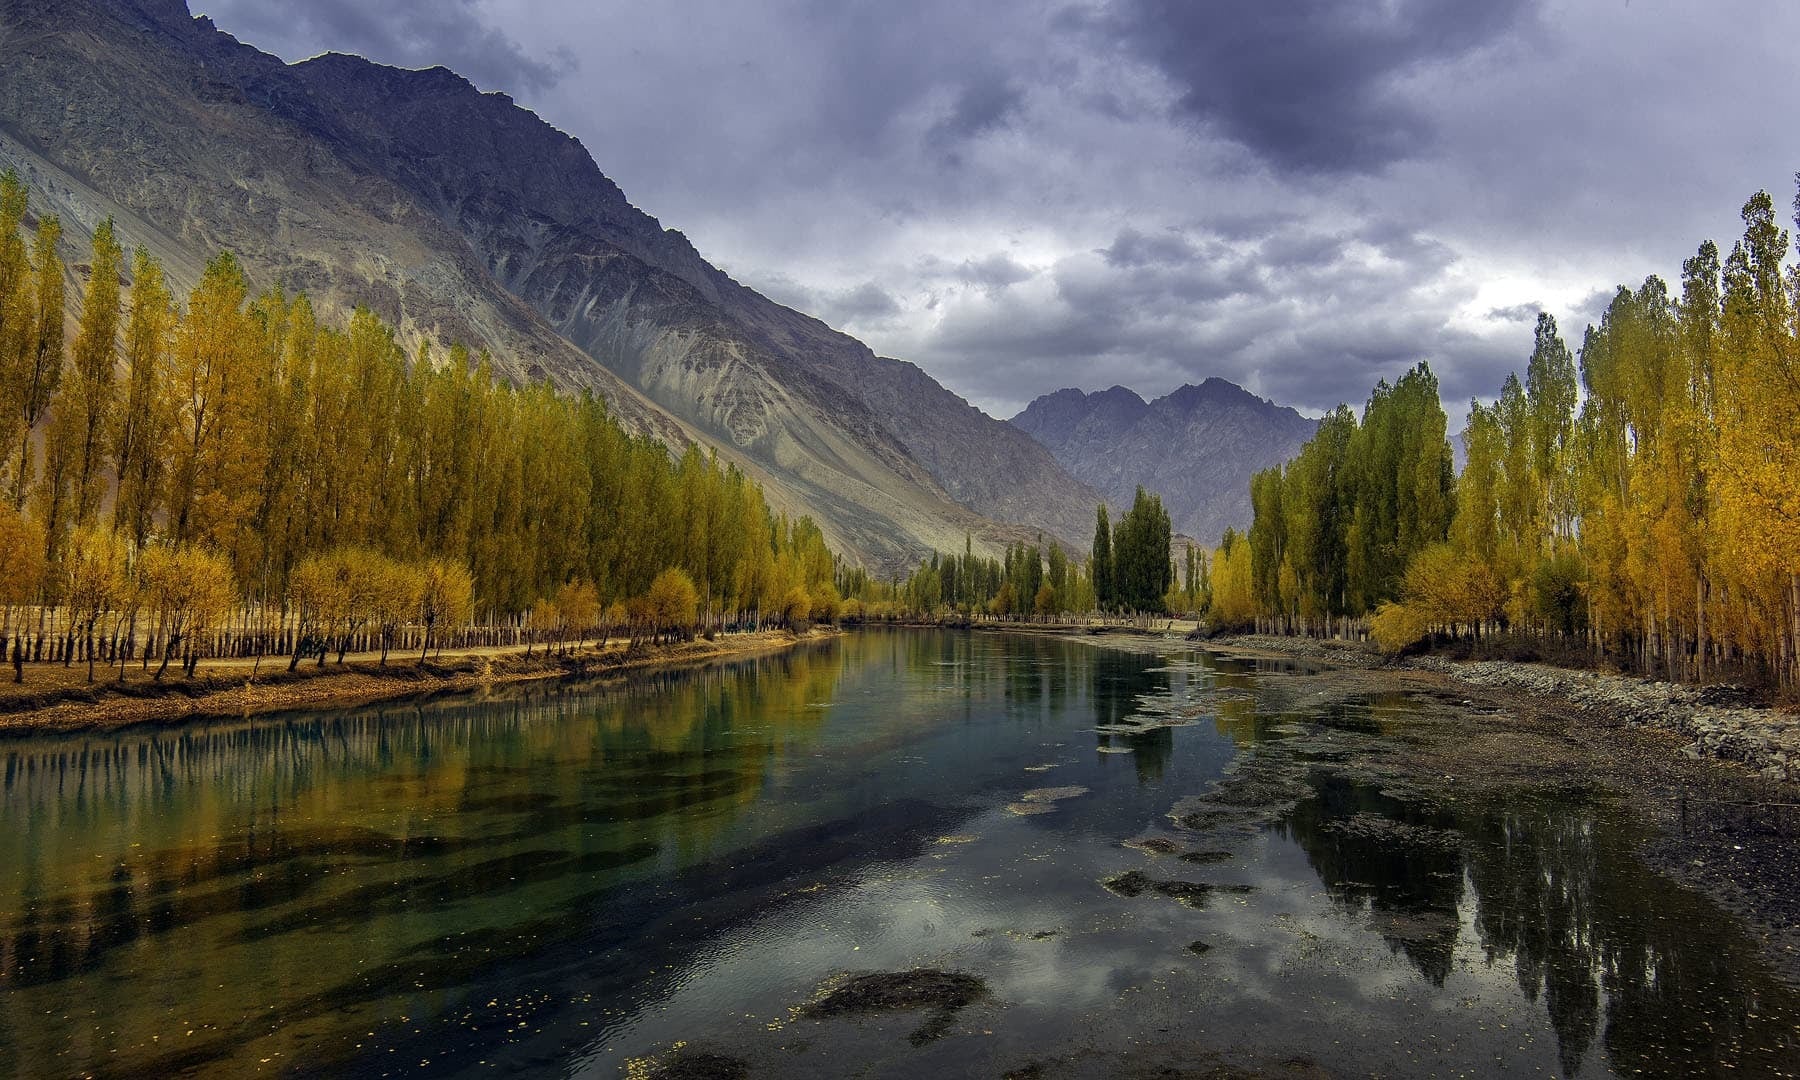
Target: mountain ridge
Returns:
[459, 216]
[1196, 446]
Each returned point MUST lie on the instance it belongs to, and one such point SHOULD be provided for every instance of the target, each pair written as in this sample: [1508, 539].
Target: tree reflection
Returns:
[244, 865]
[1608, 947]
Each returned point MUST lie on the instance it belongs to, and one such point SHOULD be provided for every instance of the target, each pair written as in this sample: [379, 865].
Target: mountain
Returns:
[1196, 447]
[460, 216]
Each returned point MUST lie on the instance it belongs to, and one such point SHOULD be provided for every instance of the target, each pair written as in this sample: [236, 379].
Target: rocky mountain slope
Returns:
[1196, 447]
[460, 216]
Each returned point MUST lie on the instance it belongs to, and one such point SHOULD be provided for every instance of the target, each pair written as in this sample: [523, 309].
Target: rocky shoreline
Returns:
[1721, 721]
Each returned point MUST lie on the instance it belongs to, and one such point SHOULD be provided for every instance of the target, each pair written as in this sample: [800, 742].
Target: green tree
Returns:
[1101, 564]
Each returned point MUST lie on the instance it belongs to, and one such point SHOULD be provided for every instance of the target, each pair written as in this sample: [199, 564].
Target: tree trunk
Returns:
[168, 654]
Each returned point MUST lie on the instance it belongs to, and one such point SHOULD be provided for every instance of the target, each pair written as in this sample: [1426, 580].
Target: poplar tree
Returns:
[17, 321]
[143, 419]
[39, 370]
[1102, 561]
[95, 368]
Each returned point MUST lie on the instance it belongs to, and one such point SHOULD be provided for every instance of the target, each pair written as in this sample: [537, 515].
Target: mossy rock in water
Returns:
[1137, 883]
[944, 992]
[1155, 845]
[701, 1067]
[1204, 857]
[1130, 883]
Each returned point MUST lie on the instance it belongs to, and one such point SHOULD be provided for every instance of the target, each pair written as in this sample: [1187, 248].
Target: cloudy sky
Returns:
[1302, 196]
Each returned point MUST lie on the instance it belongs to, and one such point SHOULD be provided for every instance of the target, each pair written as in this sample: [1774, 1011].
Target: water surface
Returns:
[565, 881]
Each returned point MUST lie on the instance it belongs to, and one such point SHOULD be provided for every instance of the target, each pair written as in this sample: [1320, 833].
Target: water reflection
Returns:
[524, 878]
[1553, 888]
[262, 862]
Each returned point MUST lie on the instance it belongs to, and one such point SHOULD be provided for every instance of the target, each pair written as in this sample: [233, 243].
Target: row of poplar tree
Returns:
[1639, 497]
[1129, 571]
[238, 473]
[1027, 581]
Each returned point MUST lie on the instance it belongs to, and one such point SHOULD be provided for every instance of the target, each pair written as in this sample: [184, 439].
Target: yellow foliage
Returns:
[796, 606]
[825, 603]
[673, 602]
[21, 558]
[1395, 626]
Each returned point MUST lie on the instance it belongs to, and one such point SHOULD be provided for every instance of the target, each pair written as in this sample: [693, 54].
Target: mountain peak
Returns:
[1210, 391]
[1196, 446]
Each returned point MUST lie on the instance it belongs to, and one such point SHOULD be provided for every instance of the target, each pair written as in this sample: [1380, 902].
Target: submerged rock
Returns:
[1154, 845]
[701, 1067]
[1053, 794]
[944, 992]
[1135, 883]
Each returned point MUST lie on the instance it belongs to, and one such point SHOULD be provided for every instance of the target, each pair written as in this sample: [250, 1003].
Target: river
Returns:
[1142, 858]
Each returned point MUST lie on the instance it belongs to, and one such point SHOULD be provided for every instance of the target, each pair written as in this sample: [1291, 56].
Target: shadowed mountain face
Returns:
[1196, 447]
[459, 216]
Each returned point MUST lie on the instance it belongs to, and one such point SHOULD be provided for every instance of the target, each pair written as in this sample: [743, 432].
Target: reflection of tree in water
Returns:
[1535, 872]
[1559, 889]
[1116, 683]
[279, 854]
[1588, 927]
[1150, 752]
[1409, 878]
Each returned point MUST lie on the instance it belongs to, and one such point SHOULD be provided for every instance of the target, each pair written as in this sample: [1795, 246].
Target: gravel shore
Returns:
[1719, 721]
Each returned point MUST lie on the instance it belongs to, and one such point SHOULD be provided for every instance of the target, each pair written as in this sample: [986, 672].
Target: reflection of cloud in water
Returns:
[690, 857]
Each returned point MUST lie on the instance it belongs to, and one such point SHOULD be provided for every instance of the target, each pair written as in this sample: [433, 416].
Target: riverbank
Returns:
[1717, 722]
[242, 688]
[1711, 781]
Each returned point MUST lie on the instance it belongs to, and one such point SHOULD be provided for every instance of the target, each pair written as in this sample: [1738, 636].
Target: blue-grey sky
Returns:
[1302, 196]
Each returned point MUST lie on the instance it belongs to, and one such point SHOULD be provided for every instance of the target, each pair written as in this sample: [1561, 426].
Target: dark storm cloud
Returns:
[980, 107]
[1300, 195]
[1526, 312]
[1133, 249]
[995, 271]
[860, 305]
[405, 33]
[1586, 312]
[1311, 85]
[1305, 316]
[866, 303]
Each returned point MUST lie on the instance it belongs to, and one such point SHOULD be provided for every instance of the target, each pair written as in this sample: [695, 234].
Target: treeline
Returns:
[239, 475]
[1129, 572]
[1639, 499]
[1027, 581]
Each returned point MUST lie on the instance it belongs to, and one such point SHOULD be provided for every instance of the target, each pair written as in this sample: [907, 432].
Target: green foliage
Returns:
[1102, 567]
[1641, 497]
[1334, 528]
[1142, 571]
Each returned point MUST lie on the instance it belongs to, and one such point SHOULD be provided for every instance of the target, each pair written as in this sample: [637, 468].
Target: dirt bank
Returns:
[1716, 722]
[241, 689]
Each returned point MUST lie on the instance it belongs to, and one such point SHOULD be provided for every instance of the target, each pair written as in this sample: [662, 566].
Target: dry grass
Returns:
[54, 698]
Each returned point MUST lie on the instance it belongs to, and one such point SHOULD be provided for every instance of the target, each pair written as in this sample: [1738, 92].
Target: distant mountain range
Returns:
[460, 217]
[1196, 447]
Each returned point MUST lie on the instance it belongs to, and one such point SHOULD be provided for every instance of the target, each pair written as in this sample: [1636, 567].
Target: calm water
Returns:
[556, 882]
